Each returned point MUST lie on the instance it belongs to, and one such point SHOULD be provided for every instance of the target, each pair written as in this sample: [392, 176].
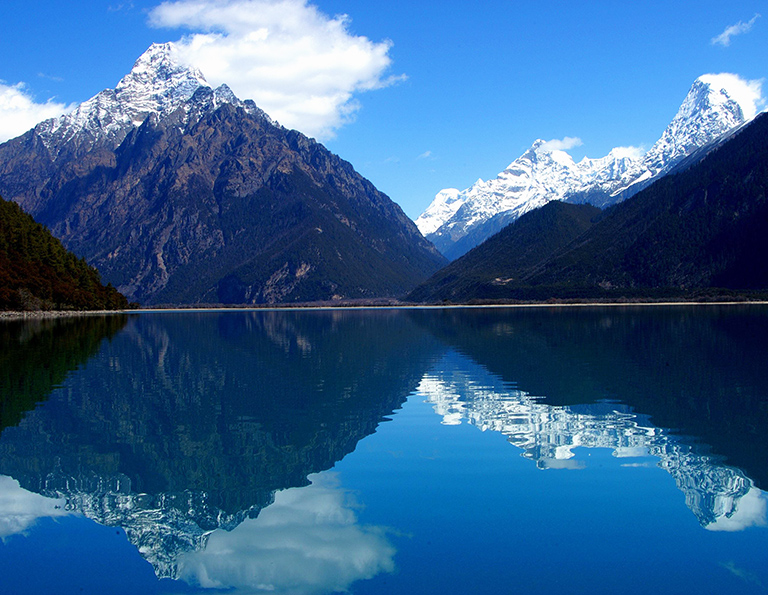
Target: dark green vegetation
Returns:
[224, 207]
[37, 355]
[698, 233]
[488, 269]
[37, 273]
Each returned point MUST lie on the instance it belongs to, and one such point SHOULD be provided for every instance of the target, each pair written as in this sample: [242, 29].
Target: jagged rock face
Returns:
[179, 193]
[457, 221]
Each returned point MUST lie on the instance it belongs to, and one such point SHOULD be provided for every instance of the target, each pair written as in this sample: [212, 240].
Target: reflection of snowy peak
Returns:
[456, 220]
[161, 526]
[158, 84]
[547, 435]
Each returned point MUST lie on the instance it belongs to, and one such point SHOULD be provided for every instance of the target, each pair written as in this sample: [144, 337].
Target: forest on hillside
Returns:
[38, 273]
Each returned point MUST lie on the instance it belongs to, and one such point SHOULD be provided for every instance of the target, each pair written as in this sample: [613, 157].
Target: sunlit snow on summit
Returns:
[715, 105]
[747, 93]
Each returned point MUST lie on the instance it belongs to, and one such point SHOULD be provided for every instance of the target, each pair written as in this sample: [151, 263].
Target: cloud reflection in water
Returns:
[308, 541]
[19, 508]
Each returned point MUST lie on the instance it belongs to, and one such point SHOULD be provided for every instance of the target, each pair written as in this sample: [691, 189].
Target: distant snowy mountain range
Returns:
[457, 221]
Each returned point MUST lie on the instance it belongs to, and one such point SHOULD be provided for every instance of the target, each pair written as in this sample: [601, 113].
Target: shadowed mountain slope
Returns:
[485, 271]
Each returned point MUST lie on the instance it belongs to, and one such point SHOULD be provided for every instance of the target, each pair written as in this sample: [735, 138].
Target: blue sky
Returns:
[419, 96]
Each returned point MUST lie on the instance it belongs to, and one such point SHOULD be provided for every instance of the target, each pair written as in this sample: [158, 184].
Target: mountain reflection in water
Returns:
[699, 371]
[721, 497]
[207, 437]
[188, 423]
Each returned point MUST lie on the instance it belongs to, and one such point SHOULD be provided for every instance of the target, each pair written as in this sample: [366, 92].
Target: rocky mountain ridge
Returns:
[157, 84]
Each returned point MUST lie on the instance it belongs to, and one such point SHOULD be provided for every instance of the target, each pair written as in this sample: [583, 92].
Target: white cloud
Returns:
[298, 64]
[425, 155]
[19, 112]
[748, 511]
[628, 152]
[307, 541]
[724, 39]
[563, 144]
[20, 508]
[747, 93]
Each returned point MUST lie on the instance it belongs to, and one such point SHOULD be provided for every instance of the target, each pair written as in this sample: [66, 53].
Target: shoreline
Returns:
[48, 314]
[43, 314]
[438, 306]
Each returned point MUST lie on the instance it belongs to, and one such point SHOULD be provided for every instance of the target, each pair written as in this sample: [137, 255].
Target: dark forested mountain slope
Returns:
[36, 272]
[208, 200]
[705, 227]
[486, 271]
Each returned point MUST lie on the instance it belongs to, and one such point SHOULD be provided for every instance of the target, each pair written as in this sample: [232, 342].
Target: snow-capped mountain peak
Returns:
[159, 83]
[445, 205]
[707, 113]
[456, 221]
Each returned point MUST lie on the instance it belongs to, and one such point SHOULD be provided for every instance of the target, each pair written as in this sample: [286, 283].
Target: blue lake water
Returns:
[579, 450]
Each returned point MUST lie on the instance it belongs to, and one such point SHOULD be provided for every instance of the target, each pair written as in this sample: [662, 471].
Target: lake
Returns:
[457, 450]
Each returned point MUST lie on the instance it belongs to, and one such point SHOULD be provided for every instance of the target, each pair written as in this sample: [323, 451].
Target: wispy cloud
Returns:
[425, 155]
[301, 66]
[49, 77]
[19, 111]
[744, 575]
[562, 144]
[724, 39]
[120, 7]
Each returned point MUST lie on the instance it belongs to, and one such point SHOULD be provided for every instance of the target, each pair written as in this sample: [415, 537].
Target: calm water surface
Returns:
[583, 450]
